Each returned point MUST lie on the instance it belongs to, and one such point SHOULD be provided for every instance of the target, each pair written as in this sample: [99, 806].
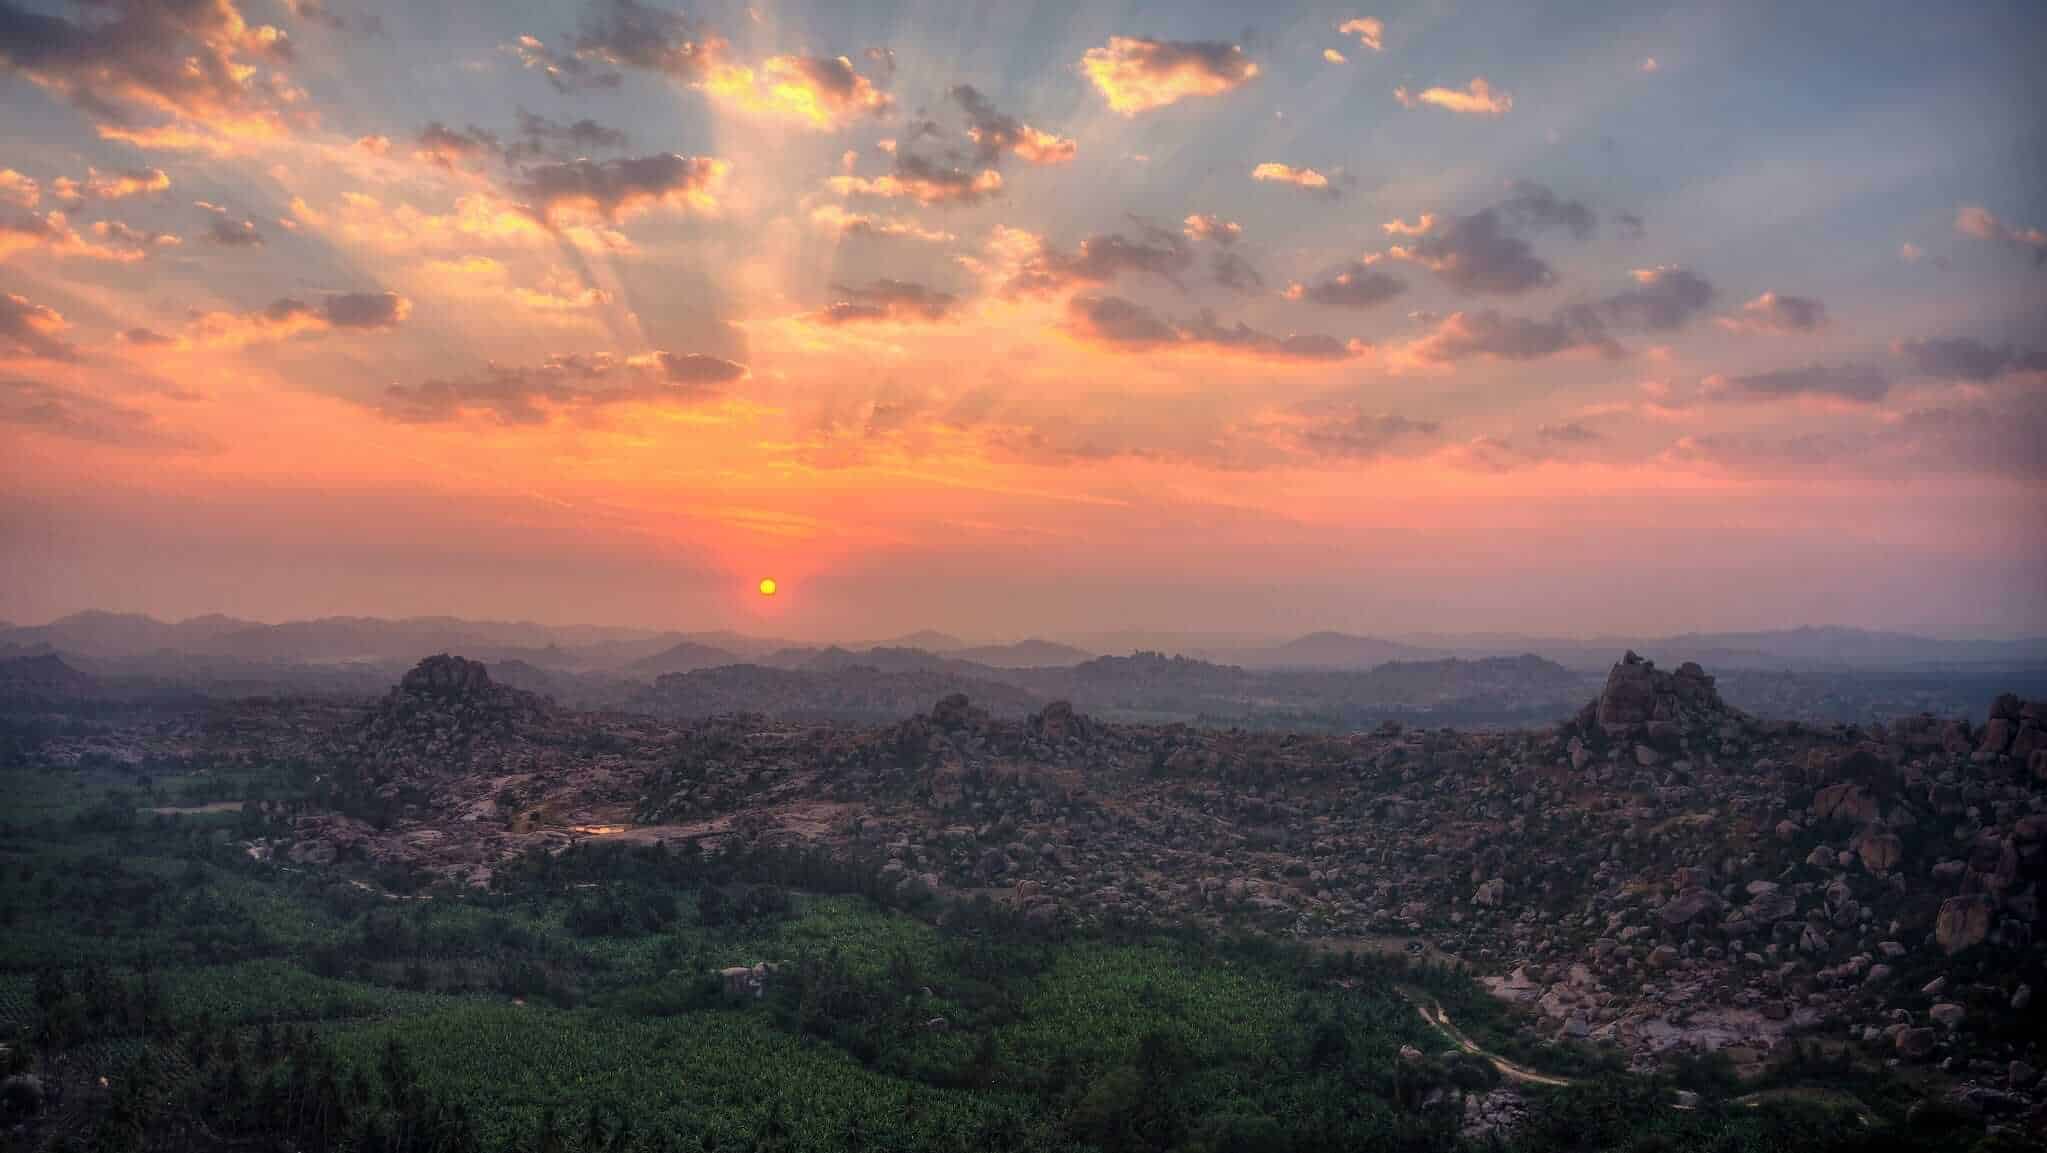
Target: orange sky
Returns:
[1142, 329]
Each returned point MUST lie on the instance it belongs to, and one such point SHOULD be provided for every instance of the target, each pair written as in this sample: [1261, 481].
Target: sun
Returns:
[768, 586]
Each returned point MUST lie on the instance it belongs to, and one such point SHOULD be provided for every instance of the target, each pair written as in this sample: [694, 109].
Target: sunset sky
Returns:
[1027, 318]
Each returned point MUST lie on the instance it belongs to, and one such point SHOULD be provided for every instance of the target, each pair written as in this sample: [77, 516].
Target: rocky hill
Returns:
[1660, 871]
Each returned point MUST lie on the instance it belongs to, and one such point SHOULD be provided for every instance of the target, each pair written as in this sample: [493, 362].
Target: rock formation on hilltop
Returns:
[441, 718]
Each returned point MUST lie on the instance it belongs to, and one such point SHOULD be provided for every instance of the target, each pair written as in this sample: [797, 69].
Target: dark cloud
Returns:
[1570, 432]
[1964, 358]
[223, 229]
[1630, 225]
[364, 309]
[566, 72]
[885, 299]
[1234, 272]
[628, 34]
[996, 134]
[1356, 285]
[1661, 300]
[1488, 251]
[613, 188]
[1995, 438]
[1463, 335]
[1855, 382]
[452, 148]
[1359, 435]
[1778, 312]
[191, 60]
[509, 395]
[1476, 254]
[145, 338]
[1153, 251]
[81, 416]
[1531, 207]
[30, 329]
[543, 138]
[1114, 321]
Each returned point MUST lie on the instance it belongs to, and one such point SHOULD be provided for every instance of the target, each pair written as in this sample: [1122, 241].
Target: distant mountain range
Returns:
[228, 647]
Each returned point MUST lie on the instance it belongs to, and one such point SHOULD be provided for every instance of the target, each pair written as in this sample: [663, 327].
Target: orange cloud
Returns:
[1306, 178]
[925, 187]
[52, 233]
[30, 329]
[1475, 99]
[1201, 226]
[194, 67]
[286, 318]
[1369, 31]
[18, 191]
[815, 92]
[1334, 57]
[835, 219]
[1422, 226]
[1136, 74]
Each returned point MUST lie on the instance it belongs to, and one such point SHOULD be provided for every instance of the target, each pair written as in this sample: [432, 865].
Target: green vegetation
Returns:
[232, 1002]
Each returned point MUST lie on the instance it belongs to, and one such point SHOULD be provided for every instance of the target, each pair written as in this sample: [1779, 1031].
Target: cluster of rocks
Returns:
[1659, 872]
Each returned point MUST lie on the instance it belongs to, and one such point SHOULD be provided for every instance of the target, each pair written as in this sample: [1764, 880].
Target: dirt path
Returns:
[1434, 1015]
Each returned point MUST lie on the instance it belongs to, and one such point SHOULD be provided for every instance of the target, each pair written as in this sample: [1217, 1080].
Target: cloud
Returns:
[1487, 251]
[1488, 333]
[289, 317]
[1334, 57]
[923, 180]
[817, 92]
[1910, 252]
[835, 219]
[1649, 64]
[1369, 31]
[80, 416]
[898, 301]
[613, 190]
[1136, 74]
[29, 329]
[97, 185]
[1476, 254]
[1355, 286]
[1114, 322]
[995, 134]
[226, 231]
[1570, 432]
[51, 233]
[1965, 358]
[1531, 207]
[1154, 251]
[1475, 99]
[1858, 383]
[565, 72]
[1205, 227]
[1354, 433]
[560, 385]
[628, 34]
[1977, 221]
[446, 147]
[1778, 312]
[1662, 299]
[19, 191]
[1233, 271]
[159, 73]
[146, 338]
[541, 138]
[1303, 178]
[1631, 225]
